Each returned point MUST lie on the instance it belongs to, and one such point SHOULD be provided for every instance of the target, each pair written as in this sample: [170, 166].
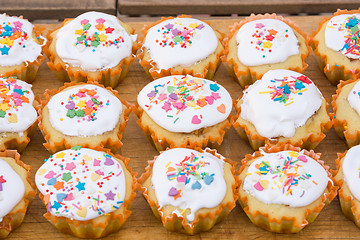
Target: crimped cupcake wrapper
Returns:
[161, 144]
[340, 126]
[334, 73]
[202, 222]
[248, 77]
[114, 146]
[28, 72]
[347, 203]
[256, 141]
[89, 228]
[285, 224]
[150, 67]
[108, 77]
[13, 219]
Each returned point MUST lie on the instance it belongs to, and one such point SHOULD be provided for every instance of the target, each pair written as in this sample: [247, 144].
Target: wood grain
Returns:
[242, 7]
[331, 223]
[52, 9]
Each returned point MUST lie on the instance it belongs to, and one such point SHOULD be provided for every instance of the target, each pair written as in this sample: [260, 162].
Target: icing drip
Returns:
[17, 113]
[280, 102]
[93, 41]
[81, 183]
[188, 179]
[12, 188]
[84, 110]
[266, 41]
[180, 42]
[351, 170]
[286, 177]
[185, 103]
[342, 34]
[354, 98]
[16, 42]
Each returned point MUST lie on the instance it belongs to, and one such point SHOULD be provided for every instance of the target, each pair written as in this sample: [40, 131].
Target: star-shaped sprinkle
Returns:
[109, 30]
[80, 186]
[259, 25]
[60, 155]
[66, 176]
[272, 32]
[110, 195]
[56, 205]
[70, 166]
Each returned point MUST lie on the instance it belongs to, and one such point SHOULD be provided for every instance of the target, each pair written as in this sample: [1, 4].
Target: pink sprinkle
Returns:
[258, 186]
[182, 178]
[302, 158]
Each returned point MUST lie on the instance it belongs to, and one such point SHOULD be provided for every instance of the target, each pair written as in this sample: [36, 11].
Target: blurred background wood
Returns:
[55, 9]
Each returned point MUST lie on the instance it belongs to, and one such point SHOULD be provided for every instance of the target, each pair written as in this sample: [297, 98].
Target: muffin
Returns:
[346, 117]
[18, 116]
[283, 107]
[83, 114]
[336, 47]
[94, 46]
[189, 190]
[347, 178]
[181, 45]
[260, 43]
[16, 191]
[20, 48]
[179, 110]
[87, 193]
[283, 189]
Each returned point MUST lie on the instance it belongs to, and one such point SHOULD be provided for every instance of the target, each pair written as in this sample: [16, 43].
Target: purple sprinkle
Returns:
[169, 26]
[175, 32]
[302, 193]
[201, 26]
[173, 96]
[70, 105]
[108, 162]
[151, 94]
[173, 192]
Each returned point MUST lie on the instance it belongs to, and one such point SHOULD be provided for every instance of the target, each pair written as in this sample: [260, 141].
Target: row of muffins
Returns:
[198, 118]
[99, 47]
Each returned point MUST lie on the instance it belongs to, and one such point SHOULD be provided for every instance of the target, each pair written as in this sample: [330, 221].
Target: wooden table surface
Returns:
[242, 7]
[330, 224]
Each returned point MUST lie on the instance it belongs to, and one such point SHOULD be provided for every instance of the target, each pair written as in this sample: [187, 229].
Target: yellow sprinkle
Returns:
[168, 164]
[61, 119]
[305, 89]
[183, 211]
[288, 192]
[266, 92]
[289, 103]
[248, 173]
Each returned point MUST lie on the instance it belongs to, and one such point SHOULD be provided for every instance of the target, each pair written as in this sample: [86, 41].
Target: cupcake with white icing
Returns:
[83, 114]
[87, 193]
[283, 189]
[336, 46]
[189, 190]
[179, 110]
[181, 45]
[260, 43]
[94, 46]
[347, 178]
[283, 107]
[20, 48]
[16, 191]
[346, 117]
[18, 117]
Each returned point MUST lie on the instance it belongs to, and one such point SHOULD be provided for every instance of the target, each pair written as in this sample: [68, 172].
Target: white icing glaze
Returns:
[105, 114]
[292, 179]
[187, 40]
[351, 168]
[93, 58]
[266, 41]
[354, 97]
[21, 49]
[17, 113]
[196, 193]
[12, 188]
[206, 103]
[339, 30]
[87, 184]
[272, 117]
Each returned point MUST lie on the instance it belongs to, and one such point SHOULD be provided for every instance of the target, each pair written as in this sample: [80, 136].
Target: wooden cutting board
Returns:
[330, 224]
